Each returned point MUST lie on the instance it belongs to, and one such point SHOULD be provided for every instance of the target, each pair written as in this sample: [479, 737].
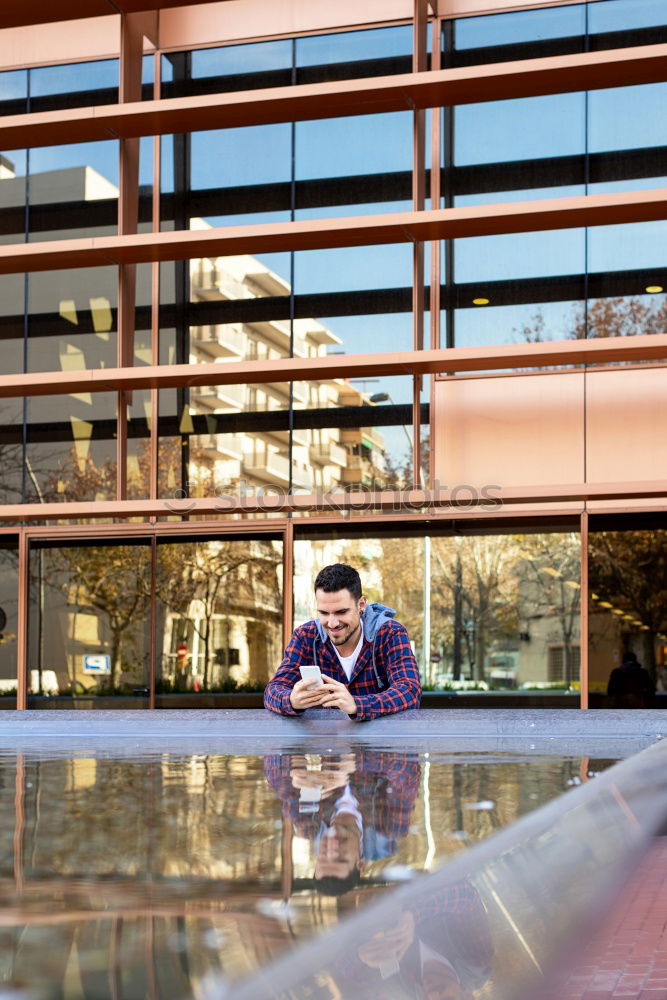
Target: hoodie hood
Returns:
[372, 620]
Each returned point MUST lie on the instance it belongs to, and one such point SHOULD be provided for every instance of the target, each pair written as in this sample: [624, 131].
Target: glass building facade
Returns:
[281, 289]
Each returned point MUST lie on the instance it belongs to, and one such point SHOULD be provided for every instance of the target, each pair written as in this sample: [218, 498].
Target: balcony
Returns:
[218, 446]
[218, 397]
[218, 342]
[275, 470]
[330, 454]
[269, 468]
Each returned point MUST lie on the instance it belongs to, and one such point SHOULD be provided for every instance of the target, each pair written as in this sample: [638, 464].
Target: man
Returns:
[365, 657]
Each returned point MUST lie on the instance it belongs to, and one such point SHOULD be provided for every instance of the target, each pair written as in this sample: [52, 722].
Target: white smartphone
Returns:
[313, 674]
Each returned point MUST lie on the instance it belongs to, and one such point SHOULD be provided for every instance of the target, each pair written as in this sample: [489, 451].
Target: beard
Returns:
[345, 634]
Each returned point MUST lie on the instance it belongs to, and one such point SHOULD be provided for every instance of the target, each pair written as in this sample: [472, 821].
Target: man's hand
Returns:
[303, 695]
[382, 946]
[337, 696]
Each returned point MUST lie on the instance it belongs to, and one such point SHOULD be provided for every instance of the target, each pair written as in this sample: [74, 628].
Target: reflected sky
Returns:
[157, 876]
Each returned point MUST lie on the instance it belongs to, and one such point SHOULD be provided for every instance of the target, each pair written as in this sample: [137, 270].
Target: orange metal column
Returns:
[583, 612]
[133, 29]
[436, 246]
[155, 292]
[22, 630]
[419, 57]
[288, 583]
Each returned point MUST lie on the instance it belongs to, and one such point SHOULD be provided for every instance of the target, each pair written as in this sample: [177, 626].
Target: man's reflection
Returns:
[352, 807]
[439, 948]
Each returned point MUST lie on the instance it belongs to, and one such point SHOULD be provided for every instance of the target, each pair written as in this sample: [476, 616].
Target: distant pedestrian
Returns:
[630, 685]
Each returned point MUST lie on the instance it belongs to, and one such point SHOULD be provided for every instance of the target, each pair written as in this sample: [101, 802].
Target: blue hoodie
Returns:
[372, 619]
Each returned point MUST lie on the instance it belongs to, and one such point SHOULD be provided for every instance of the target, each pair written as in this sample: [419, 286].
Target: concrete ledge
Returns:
[576, 732]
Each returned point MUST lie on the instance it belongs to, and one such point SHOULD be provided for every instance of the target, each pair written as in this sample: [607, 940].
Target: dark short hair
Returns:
[339, 576]
[629, 656]
[329, 885]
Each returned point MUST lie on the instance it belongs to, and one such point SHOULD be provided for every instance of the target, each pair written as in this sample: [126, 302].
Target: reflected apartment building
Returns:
[227, 636]
[397, 252]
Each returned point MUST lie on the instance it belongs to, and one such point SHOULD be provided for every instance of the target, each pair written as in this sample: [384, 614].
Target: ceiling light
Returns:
[573, 585]
[654, 289]
[606, 604]
[616, 611]
[550, 570]
[484, 302]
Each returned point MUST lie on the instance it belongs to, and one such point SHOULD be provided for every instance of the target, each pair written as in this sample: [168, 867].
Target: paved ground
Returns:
[628, 957]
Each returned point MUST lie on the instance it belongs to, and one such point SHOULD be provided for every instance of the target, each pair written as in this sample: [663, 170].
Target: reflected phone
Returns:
[309, 800]
[311, 673]
[390, 966]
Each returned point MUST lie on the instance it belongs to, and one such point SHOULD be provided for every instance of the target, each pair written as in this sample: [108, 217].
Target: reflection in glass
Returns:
[70, 451]
[628, 614]
[503, 609]
[89, 622]
[219, 608]
[8, 620]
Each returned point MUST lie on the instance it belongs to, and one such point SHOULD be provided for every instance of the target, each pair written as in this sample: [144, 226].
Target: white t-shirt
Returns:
[348, 662]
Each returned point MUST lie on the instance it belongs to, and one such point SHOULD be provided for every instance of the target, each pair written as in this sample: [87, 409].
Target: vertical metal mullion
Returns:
[182, 146]
[129, 90]
[22, 630]
[26, 309]
[155, 291]
[447, 191]
[290, 419]
[288, 585]
[152, 657]
[419, 47]
[583, 612]
[436, 246]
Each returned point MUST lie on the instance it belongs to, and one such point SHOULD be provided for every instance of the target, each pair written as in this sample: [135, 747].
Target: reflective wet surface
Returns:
[174, 876]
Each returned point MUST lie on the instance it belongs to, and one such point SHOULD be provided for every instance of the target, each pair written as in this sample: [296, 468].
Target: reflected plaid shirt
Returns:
[394, 661]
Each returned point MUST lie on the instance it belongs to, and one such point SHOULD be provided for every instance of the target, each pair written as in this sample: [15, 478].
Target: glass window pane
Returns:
[9, 581]
[72, 317]
[353, 166]
[73, 191]
[627, 613]
[354, 54]
[624, 15]
[227, 68]
[219, 612]
[71, 448]
[504, 609]
[89, 625]
[74, 85]
[14, 92]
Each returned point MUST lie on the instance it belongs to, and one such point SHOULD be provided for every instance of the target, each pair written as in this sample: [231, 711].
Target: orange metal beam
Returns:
[405, 501]
[402, 92]
[369, 230]
[652, 347]
[15, 15]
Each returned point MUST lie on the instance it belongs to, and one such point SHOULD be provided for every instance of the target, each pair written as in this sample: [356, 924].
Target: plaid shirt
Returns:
[394, 662]
[385, 785]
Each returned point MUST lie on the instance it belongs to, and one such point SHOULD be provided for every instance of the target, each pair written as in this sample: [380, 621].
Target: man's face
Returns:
[340, 615]
[339, 851]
